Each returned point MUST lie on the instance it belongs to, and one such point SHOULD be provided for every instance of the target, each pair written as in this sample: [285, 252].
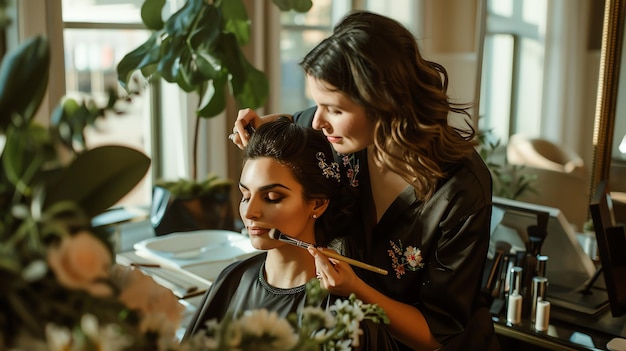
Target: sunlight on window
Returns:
[102, 11]
[534, 12]
[300, 33]
[501, 8]
[530, 85]
[497, 101]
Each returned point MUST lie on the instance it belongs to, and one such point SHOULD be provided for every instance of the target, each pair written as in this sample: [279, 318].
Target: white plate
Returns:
[204, 245]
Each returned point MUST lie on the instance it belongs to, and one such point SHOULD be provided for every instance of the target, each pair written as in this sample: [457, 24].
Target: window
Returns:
[300, 32]
[96, 35]
[513, 65]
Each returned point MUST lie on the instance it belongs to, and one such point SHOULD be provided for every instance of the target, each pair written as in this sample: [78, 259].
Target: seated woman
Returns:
[289, 182]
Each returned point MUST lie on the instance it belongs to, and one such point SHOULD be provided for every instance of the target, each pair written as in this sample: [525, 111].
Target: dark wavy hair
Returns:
[298, 148]
[376, 62]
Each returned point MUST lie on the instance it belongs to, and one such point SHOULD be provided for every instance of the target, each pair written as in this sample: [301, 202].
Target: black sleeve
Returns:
[305, 117]
[376, 336]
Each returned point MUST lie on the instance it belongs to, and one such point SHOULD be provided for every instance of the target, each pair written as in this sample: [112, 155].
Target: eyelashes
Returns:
[265, 199]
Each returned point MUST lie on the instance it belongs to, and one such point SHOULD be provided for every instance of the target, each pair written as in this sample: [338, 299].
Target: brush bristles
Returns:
[274, 234]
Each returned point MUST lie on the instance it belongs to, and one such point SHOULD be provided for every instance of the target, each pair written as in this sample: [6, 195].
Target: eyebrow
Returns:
[266, 187]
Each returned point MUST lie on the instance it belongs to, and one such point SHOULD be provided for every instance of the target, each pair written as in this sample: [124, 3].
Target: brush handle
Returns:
[351, 261]
[286, 238]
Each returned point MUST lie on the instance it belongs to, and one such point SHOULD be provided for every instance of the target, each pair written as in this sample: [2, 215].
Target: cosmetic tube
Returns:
[514, 308]
[542, 320]
[540, 284]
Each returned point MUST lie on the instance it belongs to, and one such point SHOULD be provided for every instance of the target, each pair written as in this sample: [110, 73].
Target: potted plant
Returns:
[509, 181]
[199, 49]
[51, 187]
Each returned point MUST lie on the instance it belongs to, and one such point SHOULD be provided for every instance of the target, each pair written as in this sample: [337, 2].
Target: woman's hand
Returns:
[248, 117]
[335, 276]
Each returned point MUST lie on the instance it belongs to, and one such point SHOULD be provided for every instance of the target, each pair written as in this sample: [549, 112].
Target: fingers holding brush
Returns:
[334, 275]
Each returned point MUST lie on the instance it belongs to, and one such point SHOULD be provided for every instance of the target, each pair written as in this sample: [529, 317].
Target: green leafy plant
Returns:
[199, 48]
[187, 188]
[509, 180]
[51, 186]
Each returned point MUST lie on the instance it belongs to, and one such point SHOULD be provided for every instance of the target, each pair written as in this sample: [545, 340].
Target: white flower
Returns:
[35, 271]
[345, 345]
[320, 335]
[318, 317]
[59, 338]
[107, 338]
[262, 323]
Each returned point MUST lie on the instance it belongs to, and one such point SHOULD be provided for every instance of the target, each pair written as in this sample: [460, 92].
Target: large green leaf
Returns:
[250, 86]
[146, 54]
[187, 78]
[169, 64]
[204, 36]
[252, 91]
[207, 65]
[99, 178]
[237, 20]
[231, 55]
[151, 14]
[23, 80]
[179, 23]
[213, 97]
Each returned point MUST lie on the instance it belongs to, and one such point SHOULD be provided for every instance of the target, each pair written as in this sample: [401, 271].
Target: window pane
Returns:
[534, 12]
[102, 11]
[528, 116]
[91, 58]
[501, 7]
[294, 45]
[318, 15]
[300, 33]
[92, 55]
[498, 78]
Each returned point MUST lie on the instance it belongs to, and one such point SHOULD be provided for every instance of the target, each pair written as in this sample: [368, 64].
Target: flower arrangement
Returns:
[336, 328]
[61, 289]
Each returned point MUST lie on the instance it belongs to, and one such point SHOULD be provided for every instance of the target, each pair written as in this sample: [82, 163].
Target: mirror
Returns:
[610, 119]
[541, 68]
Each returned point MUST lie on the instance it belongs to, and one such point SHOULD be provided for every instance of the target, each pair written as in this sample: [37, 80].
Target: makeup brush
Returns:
[277, 235]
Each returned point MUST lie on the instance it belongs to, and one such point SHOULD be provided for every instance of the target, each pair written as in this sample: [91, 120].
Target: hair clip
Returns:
[329, 170]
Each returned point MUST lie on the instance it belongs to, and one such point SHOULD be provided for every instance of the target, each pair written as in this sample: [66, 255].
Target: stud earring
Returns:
[314, 216]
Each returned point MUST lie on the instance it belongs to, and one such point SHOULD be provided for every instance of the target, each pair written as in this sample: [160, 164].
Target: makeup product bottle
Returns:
[514, 302]
[542, 319]
[540, 285]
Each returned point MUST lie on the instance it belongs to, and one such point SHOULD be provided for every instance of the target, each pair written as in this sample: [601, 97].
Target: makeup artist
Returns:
[289, 182]
[424, 192]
